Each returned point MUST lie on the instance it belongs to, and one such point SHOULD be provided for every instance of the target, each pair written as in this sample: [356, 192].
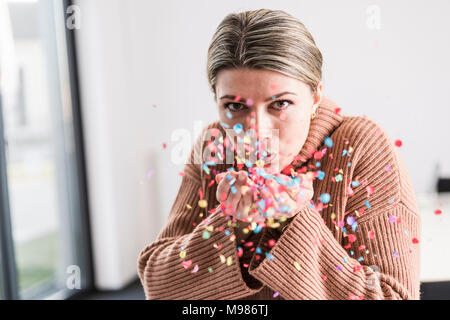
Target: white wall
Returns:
[136, 54]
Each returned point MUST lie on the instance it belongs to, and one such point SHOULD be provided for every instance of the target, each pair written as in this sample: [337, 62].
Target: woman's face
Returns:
[265, 100]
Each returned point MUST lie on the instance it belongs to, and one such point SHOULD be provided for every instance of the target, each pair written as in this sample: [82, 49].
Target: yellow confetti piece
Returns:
[202, 203]
[275, 225]
[183, 254]
[188, 206]
[297, 265]
[245, 230]
[222, 258]
[210, 228]
[333, 215]
[259, 163]
[229, 261]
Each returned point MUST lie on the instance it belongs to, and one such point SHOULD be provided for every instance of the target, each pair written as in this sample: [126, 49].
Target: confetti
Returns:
[371, 234]
[339, 178]
[164, 145]
[437, 211]
[328, 142]
[297, 265]
[275, 294]
[337, 110]
[350, 220]
[271, 242]
[237, 128]
[182, 254]
[202, 203]
[370, 190]
[149, 173]
[415, 240]
[195, 269]
[186, 264]
[398, 143]
[205, 235]
[269, 256]
[351, 238]
[229, 260]
[325, 198]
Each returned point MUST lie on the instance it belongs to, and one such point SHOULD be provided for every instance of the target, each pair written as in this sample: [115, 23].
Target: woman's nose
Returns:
[264, 124]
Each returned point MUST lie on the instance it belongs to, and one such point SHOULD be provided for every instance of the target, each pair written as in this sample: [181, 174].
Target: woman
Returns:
[329, 214]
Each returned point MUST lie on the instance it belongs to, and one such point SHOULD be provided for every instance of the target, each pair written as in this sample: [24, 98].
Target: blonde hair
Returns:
[264, 39]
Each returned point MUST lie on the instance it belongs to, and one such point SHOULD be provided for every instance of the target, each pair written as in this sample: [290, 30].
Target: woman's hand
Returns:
[288, 197]
[234, 192]
[282, 196]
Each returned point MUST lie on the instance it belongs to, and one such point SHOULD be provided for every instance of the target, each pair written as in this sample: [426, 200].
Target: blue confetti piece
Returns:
[233, 189]
[269, 256]
[224, 124]
[325, 198]
[237, 128]
[258, 250]
[229, 115]
[317, 164]
[354, 225]
[360, 259]
[367, 204]
[355, 183]
[328, 142]
[351, 252]
[320, 175]
[262, 204]
[349, 164]
[257, 229]
[227, 233]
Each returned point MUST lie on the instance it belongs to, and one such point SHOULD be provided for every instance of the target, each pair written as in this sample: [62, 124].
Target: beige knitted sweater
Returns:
[364, 244]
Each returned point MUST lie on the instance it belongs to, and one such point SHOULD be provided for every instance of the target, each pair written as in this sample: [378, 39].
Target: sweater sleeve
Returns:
[194, 256]
[378, 259]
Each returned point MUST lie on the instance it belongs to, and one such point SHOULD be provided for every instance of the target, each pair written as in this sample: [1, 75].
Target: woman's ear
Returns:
[318, 95]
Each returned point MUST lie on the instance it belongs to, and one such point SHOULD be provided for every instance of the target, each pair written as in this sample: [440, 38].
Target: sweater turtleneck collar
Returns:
[328, 118]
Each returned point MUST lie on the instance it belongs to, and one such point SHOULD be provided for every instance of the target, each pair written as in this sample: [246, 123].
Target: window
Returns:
[45, 249]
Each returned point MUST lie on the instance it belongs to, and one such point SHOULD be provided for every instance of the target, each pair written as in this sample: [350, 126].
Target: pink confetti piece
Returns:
[186, 264]
[164, 145]
[371, 234]
[195, 269]
[275, 294]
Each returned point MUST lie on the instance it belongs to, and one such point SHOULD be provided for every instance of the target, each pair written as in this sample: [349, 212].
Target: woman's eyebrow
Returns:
[275, 96]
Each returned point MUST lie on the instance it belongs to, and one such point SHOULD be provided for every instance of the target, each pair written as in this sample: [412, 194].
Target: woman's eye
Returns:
[281, 104]
[234, 107]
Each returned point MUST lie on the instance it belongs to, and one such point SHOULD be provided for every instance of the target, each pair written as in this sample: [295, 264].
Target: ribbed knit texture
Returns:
[313, 257]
